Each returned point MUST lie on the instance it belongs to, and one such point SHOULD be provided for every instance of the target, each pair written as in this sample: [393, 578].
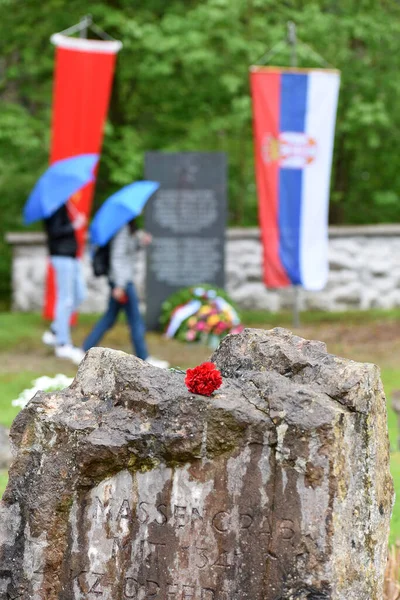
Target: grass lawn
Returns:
[371, 336]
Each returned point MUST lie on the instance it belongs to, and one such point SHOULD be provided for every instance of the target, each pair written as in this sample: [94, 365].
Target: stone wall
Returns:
[364, 272]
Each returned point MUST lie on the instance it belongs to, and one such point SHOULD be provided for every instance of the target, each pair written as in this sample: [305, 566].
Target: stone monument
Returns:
[277, 487]
[5, 450]
[187, 218]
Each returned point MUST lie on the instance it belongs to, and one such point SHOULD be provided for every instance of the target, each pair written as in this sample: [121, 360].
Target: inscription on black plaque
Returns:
[187, 218]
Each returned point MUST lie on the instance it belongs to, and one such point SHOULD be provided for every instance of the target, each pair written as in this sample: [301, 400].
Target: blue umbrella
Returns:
[118, 209]
[61, 180]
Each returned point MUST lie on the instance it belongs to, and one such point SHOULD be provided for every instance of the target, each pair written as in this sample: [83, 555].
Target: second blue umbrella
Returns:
[119, 209]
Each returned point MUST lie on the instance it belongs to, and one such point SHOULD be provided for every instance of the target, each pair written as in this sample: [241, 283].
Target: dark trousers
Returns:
[135, 321]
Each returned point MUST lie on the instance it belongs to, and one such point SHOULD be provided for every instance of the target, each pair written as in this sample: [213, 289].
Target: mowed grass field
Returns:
[372, 336]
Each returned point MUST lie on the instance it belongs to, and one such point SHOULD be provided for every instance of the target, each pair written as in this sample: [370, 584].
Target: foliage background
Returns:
[182, 84]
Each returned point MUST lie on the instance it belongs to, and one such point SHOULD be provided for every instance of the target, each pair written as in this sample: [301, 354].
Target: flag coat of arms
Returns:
[294, 114]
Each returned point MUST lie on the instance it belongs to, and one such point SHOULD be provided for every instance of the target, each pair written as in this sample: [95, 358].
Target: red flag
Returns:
[266, 104]
[82, 86]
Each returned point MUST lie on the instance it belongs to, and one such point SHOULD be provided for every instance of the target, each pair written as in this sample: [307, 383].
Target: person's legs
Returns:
[136, 325]
[79, 295]
[80, 291]
[64, 269]
[105, 323]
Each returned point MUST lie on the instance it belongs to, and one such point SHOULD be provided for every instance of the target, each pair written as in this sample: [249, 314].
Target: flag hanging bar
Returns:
[107, 44]
[83, 25]
[292, 41]
[265, 58]
[288, 40]
[102, 34]
[86, 22]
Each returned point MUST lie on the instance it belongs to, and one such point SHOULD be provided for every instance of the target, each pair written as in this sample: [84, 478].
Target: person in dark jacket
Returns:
[70, 286]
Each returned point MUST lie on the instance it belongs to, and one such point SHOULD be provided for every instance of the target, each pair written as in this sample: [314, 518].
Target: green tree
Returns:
[181, 83]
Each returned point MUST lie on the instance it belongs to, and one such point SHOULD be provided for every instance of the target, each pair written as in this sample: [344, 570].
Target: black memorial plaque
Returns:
[187, 219]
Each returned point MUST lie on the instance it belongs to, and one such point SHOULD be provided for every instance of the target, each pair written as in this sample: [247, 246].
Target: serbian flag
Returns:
[84, 71]
[294, 113]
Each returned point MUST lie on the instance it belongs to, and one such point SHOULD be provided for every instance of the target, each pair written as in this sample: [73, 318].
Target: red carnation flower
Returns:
[203, 379]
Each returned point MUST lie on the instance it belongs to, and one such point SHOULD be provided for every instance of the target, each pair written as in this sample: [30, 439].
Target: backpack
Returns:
[101, 260]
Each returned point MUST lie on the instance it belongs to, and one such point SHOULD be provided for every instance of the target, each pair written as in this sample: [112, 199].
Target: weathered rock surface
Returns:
[5, 449]
[276, 488]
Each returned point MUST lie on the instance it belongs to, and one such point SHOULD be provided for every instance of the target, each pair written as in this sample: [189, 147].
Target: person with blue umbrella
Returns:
[50, 201]
[114, 229]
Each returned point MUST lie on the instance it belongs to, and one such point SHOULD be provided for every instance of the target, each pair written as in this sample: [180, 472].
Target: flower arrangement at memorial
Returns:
[202, 314]
[42, 384]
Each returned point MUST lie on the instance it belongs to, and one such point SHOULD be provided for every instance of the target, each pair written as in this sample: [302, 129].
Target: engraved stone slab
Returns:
[126, 486]
[201, 513]
[5, 450]
[187, 218]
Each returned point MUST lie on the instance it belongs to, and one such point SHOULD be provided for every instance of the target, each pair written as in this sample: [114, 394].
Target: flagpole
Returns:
[292, 41]
[85, 22]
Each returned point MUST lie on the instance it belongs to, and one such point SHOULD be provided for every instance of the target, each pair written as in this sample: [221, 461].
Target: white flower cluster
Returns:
[42, 384]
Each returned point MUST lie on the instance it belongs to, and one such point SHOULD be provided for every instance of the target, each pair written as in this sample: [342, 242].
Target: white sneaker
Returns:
[70, 352]
[156, 362]
[49, 338]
